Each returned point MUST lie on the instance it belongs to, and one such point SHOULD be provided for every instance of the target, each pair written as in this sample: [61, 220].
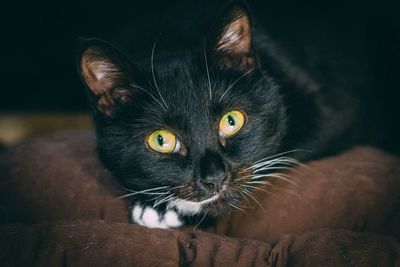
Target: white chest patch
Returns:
[190, 207]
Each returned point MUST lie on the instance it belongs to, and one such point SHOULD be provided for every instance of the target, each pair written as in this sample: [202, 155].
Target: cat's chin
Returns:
[214, 206]
[187, 207]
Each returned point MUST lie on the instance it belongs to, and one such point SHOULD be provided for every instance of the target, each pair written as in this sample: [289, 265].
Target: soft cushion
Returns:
[60, 207]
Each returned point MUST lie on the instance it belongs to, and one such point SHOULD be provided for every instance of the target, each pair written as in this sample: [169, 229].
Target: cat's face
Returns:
[188, 127]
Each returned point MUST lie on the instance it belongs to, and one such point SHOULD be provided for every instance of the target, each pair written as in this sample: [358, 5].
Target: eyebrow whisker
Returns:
[152, 72]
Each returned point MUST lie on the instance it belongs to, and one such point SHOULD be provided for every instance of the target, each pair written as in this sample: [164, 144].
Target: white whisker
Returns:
[197, 225]
[269, 168]
[154, 77]
[234, 83]
[208, 72]
[261, 189]
[281, 160]
[163, 200]
[243, 195]
[258, 176]
[147, 192]
[150, 94]
[236, 207]
[176, 187]
[156, 197]
[260, 182]
[277, 176]
[248, 193]
[283, 153]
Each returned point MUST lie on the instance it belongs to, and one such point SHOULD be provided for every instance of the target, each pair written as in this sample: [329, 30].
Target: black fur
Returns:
[286, 108]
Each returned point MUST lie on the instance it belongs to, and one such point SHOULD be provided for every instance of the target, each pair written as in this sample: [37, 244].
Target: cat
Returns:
[189, 132]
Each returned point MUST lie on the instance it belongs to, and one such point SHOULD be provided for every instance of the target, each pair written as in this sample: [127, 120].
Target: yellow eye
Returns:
[163, 141]
[231, 123]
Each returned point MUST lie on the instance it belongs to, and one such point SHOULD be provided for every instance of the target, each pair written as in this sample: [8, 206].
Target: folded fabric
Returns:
[60, 207]
[101, 243]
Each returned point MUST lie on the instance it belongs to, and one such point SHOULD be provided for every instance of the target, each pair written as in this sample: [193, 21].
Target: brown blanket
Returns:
[59, 207]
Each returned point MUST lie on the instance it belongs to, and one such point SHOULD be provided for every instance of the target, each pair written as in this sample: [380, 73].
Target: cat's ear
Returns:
[231, 40]
[107, 75]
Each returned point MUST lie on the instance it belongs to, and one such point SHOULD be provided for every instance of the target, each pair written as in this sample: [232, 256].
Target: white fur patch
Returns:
[171, 219]
[190, 207]
[186, 207]
[149, 217]
[137, 214]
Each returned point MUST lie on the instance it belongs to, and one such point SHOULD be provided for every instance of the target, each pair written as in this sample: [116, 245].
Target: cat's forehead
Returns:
[195, 97]
[190, 83]
[190, 93]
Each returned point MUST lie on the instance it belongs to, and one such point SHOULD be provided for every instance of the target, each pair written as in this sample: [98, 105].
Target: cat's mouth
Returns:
[189, 207]
[211, 203]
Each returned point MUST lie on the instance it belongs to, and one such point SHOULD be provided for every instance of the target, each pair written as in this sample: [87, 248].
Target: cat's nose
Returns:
[215, 183]
[212, 172]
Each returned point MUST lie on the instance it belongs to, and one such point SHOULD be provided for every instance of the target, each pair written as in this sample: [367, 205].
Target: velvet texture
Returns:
[59, 207]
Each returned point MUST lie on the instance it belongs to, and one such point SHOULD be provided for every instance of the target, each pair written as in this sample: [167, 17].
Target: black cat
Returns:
[191, 131]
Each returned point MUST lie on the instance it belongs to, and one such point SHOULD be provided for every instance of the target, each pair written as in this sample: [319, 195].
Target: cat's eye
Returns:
[163, 141]
[231, 123]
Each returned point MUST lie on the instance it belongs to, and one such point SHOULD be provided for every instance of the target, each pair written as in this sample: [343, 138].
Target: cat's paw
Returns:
[149, 217]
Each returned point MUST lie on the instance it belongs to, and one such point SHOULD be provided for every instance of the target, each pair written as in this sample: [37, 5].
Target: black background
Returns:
[38, 57]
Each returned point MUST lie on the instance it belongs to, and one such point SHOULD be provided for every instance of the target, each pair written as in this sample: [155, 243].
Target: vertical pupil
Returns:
[231, 121]
[160, 140]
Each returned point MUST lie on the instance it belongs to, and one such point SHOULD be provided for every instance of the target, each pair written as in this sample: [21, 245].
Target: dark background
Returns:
[38, 61]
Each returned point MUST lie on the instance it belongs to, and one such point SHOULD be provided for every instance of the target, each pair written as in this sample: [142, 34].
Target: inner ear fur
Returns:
[232, 39]
[105, 75]
[99, 73]
[236, 36]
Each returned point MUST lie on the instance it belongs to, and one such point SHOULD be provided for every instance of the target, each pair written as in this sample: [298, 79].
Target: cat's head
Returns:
[186, 127]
